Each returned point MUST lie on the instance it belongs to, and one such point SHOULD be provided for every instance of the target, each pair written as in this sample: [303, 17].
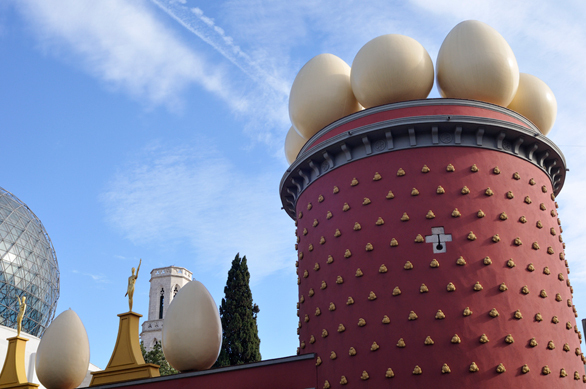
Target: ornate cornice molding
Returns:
[526, 143]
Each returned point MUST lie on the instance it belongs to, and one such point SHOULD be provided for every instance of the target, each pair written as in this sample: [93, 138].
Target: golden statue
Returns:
[21, 310]
[131, 282]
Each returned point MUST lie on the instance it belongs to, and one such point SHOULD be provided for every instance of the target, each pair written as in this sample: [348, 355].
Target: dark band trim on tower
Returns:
[523, 141]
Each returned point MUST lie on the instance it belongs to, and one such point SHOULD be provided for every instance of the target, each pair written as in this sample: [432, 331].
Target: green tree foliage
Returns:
[157, 357]
[240, 341]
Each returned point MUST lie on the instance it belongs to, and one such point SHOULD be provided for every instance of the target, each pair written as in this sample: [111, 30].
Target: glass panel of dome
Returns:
[14, 220]
[18, 273]
[8, 257]
[15, 249]
[18, 282]
[7, 267]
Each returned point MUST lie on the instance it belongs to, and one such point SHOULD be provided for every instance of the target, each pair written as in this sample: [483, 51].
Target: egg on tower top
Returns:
[535, 100]
[391, 68]
[321, 94]
[475, 62]
[293, 144]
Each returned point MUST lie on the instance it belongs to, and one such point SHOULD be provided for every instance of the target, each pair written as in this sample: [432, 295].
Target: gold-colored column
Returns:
[13, 373]
[126, 363]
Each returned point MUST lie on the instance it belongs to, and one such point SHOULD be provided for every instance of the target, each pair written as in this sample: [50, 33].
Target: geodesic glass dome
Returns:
[28, 267]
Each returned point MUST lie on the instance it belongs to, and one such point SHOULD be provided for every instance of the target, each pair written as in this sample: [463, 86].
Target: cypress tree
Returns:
[240, 341]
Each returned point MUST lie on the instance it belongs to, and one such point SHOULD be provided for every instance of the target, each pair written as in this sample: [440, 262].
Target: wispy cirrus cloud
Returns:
[268, 84]
[204, 27]
[173, 195]
[127, 45]
[124, 44]
[99, 278]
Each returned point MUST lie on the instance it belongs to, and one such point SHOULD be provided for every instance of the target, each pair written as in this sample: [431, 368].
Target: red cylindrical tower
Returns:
[430, 250]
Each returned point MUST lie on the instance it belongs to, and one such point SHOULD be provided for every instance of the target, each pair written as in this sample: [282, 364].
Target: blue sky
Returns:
[155, 129]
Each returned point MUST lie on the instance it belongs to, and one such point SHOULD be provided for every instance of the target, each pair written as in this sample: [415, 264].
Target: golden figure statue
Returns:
[21, 310]
[131, 282]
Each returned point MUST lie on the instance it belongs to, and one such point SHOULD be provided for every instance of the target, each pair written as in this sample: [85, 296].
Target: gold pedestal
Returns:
[126, 362]
[13, 372]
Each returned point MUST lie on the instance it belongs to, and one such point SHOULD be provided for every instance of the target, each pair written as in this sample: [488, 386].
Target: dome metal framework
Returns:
[28, 267]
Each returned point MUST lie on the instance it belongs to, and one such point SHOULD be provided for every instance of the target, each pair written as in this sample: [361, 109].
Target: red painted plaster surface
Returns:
[289, 375]
[431, 357]
[428, 110]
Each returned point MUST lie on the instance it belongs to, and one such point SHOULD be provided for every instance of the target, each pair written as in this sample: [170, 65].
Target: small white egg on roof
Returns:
[293, 144]
[535, 100]
[321, 94]
[475, 62]
[63, 355]
[192, 333]
[391, 68]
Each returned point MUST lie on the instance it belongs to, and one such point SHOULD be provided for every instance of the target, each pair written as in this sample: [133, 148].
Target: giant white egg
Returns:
[293, 144]
[63, 355]
[192, 331]
[391, 68]
[535, 100]
[475, 62]
[321, 94]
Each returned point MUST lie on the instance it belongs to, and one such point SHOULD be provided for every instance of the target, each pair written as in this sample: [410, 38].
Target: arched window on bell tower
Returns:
[161, 303]
[175, 290]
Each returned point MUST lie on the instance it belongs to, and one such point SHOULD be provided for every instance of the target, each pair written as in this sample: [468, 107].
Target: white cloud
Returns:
[271, 84]
[127, 45]
[99, 278]
[124, 44]
[173, 195]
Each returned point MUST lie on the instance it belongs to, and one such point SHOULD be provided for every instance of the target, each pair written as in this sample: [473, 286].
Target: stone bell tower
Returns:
[165, 283]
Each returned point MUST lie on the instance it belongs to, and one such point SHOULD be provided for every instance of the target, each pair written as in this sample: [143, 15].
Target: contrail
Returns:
[204, 27]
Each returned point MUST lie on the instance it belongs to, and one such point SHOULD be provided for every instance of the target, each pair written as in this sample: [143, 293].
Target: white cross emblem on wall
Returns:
[439, 239]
